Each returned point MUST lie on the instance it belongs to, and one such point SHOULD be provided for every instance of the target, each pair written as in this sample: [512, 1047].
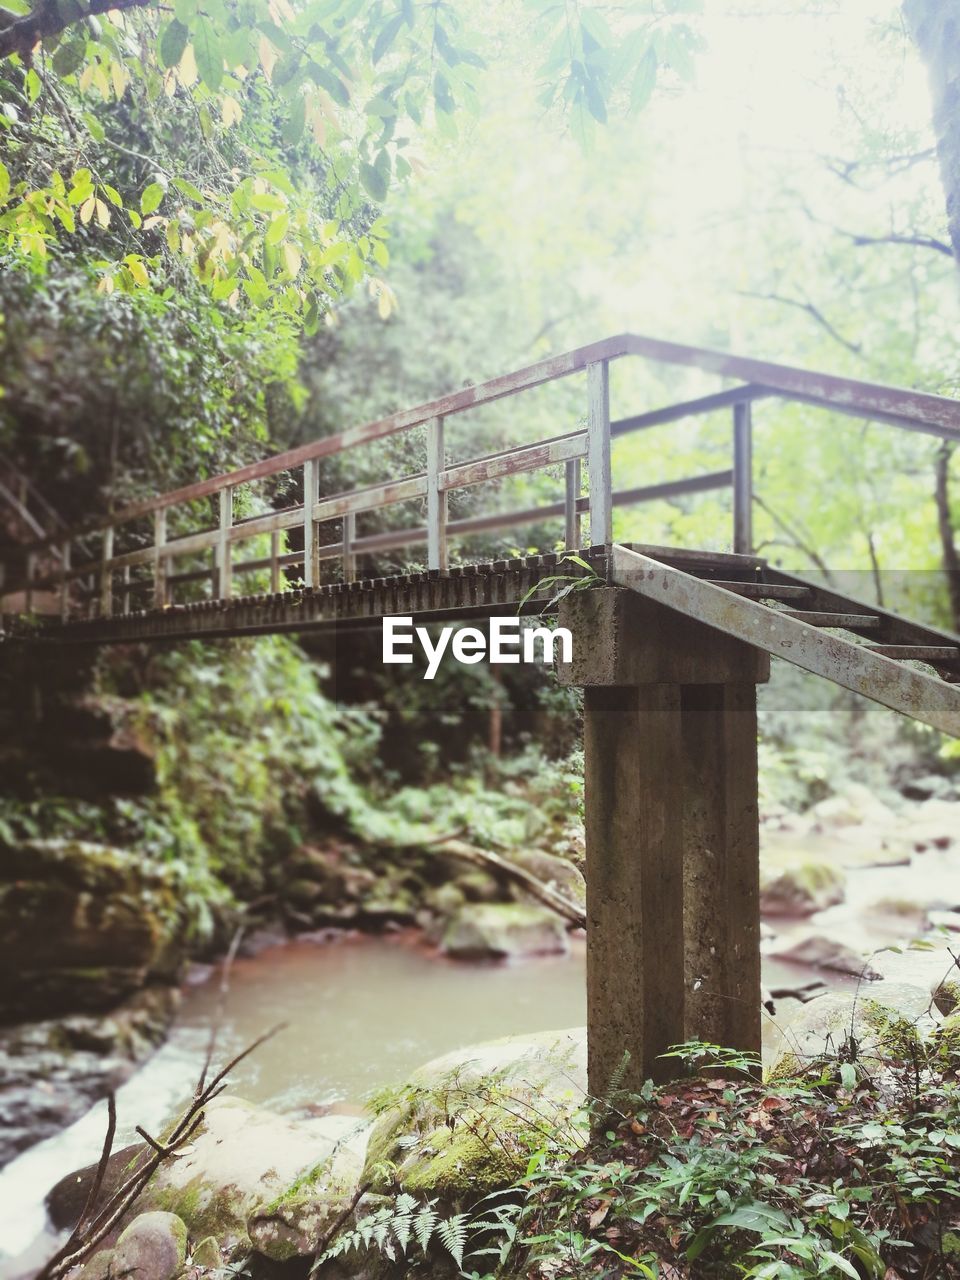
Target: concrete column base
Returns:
[672, 834]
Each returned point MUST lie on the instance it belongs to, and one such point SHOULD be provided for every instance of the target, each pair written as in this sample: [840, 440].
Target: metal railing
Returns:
[110, 574]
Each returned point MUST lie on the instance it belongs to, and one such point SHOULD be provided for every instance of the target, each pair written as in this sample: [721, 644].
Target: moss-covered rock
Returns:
[83, 925]
[894, 1019]
[465, 1124]
[504, 930]
[241, 1159]
[152, 1247]
[290, 1225]
[800, 890]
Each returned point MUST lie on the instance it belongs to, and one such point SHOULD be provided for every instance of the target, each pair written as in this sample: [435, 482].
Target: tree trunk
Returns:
[935, 27]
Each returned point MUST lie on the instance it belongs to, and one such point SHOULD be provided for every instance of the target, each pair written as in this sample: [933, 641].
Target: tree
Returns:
[254, 141]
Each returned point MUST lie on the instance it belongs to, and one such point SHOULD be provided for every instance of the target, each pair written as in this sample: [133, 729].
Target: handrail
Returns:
[907, 409]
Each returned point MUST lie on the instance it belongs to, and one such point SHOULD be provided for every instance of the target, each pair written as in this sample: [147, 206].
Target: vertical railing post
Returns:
[311, 550]
[275, 561]
[224, 564]
[349, 538]
[31, 574]
[571, 514]
[106, 573]
[743, 478]
[159, 559]
[64, 571]
[125, 604]
[436, 497]
[598, 452]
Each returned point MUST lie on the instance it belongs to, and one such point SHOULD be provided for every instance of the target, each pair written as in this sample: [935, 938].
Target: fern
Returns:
[390, 1229]
[453, 1234]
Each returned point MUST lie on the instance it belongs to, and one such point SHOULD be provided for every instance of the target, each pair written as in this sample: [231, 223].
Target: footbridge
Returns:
[669, 644]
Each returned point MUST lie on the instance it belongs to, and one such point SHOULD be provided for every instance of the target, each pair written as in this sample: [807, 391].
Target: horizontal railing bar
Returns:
[515, 461]
[938, 414]
[689, 409]
[391, 539]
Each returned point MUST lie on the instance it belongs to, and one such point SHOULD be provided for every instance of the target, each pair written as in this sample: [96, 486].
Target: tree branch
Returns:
[814, 312]
[921, 242]
[49, 18]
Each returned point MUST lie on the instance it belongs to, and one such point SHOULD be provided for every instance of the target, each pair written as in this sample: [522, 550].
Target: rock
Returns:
[502, 930]
[930, 966]
[153, 1247]
[894, 1017]
[824, 953]
[292, 1223]
[931, 784]
[898, 917]
[83, 925]
[554, 873]
[243, 1162]
[800, 890]
[65, 1201]
[52, 1071]
[446, 1135]
[206, 1254]
[855, 805]
[100, 1267]
[476, 885]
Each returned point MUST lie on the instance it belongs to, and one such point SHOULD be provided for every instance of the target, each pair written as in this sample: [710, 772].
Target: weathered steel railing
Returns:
[912, 410]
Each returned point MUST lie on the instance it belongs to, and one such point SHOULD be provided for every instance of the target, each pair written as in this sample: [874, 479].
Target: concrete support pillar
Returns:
[671, 830]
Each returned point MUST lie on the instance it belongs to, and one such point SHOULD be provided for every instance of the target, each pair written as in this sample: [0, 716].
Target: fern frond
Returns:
[453, 1233]
[424, 1225]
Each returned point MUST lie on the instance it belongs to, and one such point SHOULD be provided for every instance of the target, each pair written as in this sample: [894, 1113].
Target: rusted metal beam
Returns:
[689, 409]
[938, 414]
[854, 666]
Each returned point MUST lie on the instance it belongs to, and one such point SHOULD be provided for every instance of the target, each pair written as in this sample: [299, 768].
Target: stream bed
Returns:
[361, 1012]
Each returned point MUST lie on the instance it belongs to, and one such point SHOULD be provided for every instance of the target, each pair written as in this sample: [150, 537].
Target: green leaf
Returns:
[188, 189]
[848, 1075]
[277, 229]
[375, 184]
[4, 181]
[293, 126]
[34, 86]
[841, 1263]
[644, 81]
[173, 41]
[69, 57]
[333, 84]
[387, 36]
[152, 195]
[209, 54]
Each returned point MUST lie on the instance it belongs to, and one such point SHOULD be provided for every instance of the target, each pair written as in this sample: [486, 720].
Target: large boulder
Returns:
[893, 1019]
[800, 890]
[83, 925]
[463, 1125]
[504, 931]
[248, 1171]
